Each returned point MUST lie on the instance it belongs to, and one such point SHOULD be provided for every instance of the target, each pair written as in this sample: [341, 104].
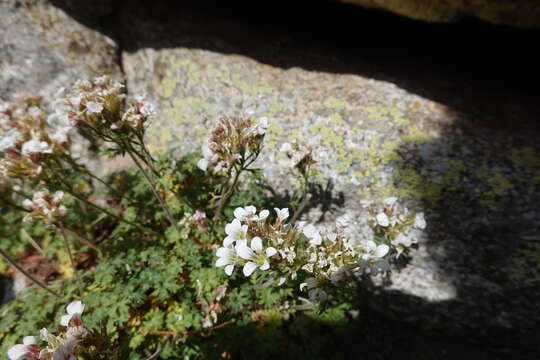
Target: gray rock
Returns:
[43, 49]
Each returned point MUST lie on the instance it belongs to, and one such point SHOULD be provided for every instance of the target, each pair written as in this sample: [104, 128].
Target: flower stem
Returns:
[97, 207]
[82, 239]
[152, 187]
[226, 195]
[68, 249]
[27, 274]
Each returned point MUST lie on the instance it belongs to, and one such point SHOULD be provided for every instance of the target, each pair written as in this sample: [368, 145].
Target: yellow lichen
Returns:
[333, 103]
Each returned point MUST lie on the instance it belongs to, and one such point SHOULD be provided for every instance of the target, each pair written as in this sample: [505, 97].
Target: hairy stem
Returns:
[97, 207]
[71, 260]
[82, 239]
[153, 188]
[226, 195]
[39, 283]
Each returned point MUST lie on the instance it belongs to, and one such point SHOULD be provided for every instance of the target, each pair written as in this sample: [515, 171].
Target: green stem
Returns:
[226, 195]
[152, 187]
[68, 249]
[28, 275]
[97, 207]
[82, 239]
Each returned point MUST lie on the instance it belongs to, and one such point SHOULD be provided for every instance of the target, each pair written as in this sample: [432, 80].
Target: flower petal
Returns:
[17, 352]
[265, 266]
[224, 252]
[244, 252]
[228, 241]
[202, 164]
[239, 213]
[229, 269]
[263, 215]
[370, 246]
[29, 340]
[64, 320]
[222, 262]
[233, 227]
[249, 268]
[75, 307]
[256, 244]
[382, 250]
[382, 219]
[270, 251]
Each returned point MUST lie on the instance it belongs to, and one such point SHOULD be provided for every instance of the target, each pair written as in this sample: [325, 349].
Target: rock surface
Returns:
[522, 13]
[43, 49]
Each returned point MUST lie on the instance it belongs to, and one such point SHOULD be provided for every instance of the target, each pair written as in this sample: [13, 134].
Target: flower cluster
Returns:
[243, 245]
[99, 106]
[96, 104]
[45, 207]
[234, 144]
[25, 139]
[396, 223]
[325, 259]
[58, 347]
[297, 155]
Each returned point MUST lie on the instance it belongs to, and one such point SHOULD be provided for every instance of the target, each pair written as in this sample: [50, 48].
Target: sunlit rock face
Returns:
[43, 49]
[524, 13]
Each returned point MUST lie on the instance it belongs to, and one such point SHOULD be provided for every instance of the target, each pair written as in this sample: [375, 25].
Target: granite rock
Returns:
[43, 49]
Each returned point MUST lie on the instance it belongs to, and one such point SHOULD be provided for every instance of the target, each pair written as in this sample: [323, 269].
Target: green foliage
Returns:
[162, 293]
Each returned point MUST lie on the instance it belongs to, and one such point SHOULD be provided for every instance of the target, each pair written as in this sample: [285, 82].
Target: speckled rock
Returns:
[479, 189]
[522, 13]
[43, 49]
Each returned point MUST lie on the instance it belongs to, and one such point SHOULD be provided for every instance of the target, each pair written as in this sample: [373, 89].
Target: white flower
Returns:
[10, 139]
[236, 232]
[382, 220]
[390, 201]
[198, 216]
[227, 257]
[20, 351]
[262, 126]
[208, 156]
[373, 252]
[147, 109]
[101, 80]
[74, 311]
[61, 134]
[75, 101]
[401, 242]
[282, 214]
[257, 257]
[312, 234]
[263, 215]
[58, 196]
[94, 107]
[420, 221]
[245, 213]
[35, 147]
[202, 164]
